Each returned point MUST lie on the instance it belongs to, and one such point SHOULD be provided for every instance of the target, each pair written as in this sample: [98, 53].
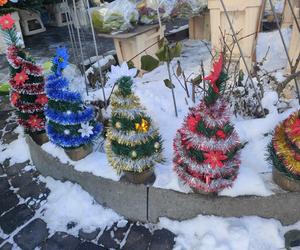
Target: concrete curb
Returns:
[142, 203]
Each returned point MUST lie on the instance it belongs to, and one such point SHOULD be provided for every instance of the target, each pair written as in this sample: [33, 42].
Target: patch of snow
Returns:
[17, 150]
[95, 163]
[217, 233]
[68, 202]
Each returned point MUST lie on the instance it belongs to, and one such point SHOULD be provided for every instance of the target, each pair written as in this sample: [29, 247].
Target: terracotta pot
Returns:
[77, 154]
[145, 177]
[285, 182]
[197, 191]
[40, 139]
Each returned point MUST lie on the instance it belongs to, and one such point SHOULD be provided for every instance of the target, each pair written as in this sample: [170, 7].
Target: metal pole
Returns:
[69, 29]
[72, 35]
[285, 47]
[81, 51]
[294, 15]
[97, 55]
[242, 56]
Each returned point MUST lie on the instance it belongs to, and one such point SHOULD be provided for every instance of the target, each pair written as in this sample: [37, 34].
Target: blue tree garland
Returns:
[70, 124]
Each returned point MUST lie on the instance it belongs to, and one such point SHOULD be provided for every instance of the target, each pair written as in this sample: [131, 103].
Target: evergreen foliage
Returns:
[133, 143]
[206, 147]
[70, 124]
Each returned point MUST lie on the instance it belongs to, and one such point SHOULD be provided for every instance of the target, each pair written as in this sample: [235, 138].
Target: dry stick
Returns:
[185, 80]
[172, 88]
[294, 15]
[285, 47]
[242, 55]
[203, 74]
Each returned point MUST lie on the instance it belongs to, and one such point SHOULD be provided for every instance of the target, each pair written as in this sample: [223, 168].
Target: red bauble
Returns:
[215, 74]
[215, 158]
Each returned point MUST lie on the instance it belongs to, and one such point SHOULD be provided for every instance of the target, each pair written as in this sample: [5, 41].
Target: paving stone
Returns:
[9, 137]
[162, 240]
[4, 185]
[89, 246]
[106, 240]
[89, 236]
[33, 190]
[112, 236]
[139, 238]
[22, 180]
[10, 127]
[292, 239]
[60, 240]
[7, 246]
[32, 235]
[15, 217]
[15, 169]
[8, 200]
[1, 170]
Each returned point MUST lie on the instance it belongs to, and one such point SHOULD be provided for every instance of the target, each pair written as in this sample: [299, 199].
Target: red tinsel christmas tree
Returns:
[27, 81]
[206, 147]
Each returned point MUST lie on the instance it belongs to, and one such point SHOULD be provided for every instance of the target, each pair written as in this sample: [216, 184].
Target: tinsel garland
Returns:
[126, 163]
[289, 124]
[64, 118]
[63, 95]
[70, 141]
[206, 148]
[133, 143]
[284, 151]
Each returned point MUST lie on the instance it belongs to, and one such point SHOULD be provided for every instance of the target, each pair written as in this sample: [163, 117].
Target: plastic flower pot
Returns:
[76, 154]
[145, 177]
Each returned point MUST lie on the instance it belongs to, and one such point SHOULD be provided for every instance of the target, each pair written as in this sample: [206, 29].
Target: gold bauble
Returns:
[118, 125]
[133, 154]
[156, 145]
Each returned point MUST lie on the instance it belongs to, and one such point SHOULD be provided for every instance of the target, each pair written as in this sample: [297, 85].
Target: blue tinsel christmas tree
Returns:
[70, 124]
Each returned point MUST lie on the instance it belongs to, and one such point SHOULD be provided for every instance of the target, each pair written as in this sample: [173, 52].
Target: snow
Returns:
[216, 233]
[20, 146]
[68, 202]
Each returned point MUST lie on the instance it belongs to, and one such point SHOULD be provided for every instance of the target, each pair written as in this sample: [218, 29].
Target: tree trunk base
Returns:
[40, 139]
[77, 154]
[146, 177]
[285, 182]
[198, 191]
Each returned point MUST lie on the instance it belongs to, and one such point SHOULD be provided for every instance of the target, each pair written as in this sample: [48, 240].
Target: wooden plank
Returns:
[125, 35]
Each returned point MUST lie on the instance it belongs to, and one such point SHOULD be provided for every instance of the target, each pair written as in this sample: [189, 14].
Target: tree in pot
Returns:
[206, 147]
[27, 83]
[284, 153]
[134, 144]
[70, 124]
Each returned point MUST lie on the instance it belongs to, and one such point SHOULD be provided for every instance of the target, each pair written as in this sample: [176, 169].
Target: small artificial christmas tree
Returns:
[70, 124]
[133, 145]
[206, 147]
[27, 81]
[284, 153]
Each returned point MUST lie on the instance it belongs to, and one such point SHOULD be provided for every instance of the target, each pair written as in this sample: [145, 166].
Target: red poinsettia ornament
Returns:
[295, 128]
[14, 98]
[41, 99]
[215, 74]
[21, 78]
[192, 122]
[220, 133]
[6, 22]
[35, 122]
[215, 158]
